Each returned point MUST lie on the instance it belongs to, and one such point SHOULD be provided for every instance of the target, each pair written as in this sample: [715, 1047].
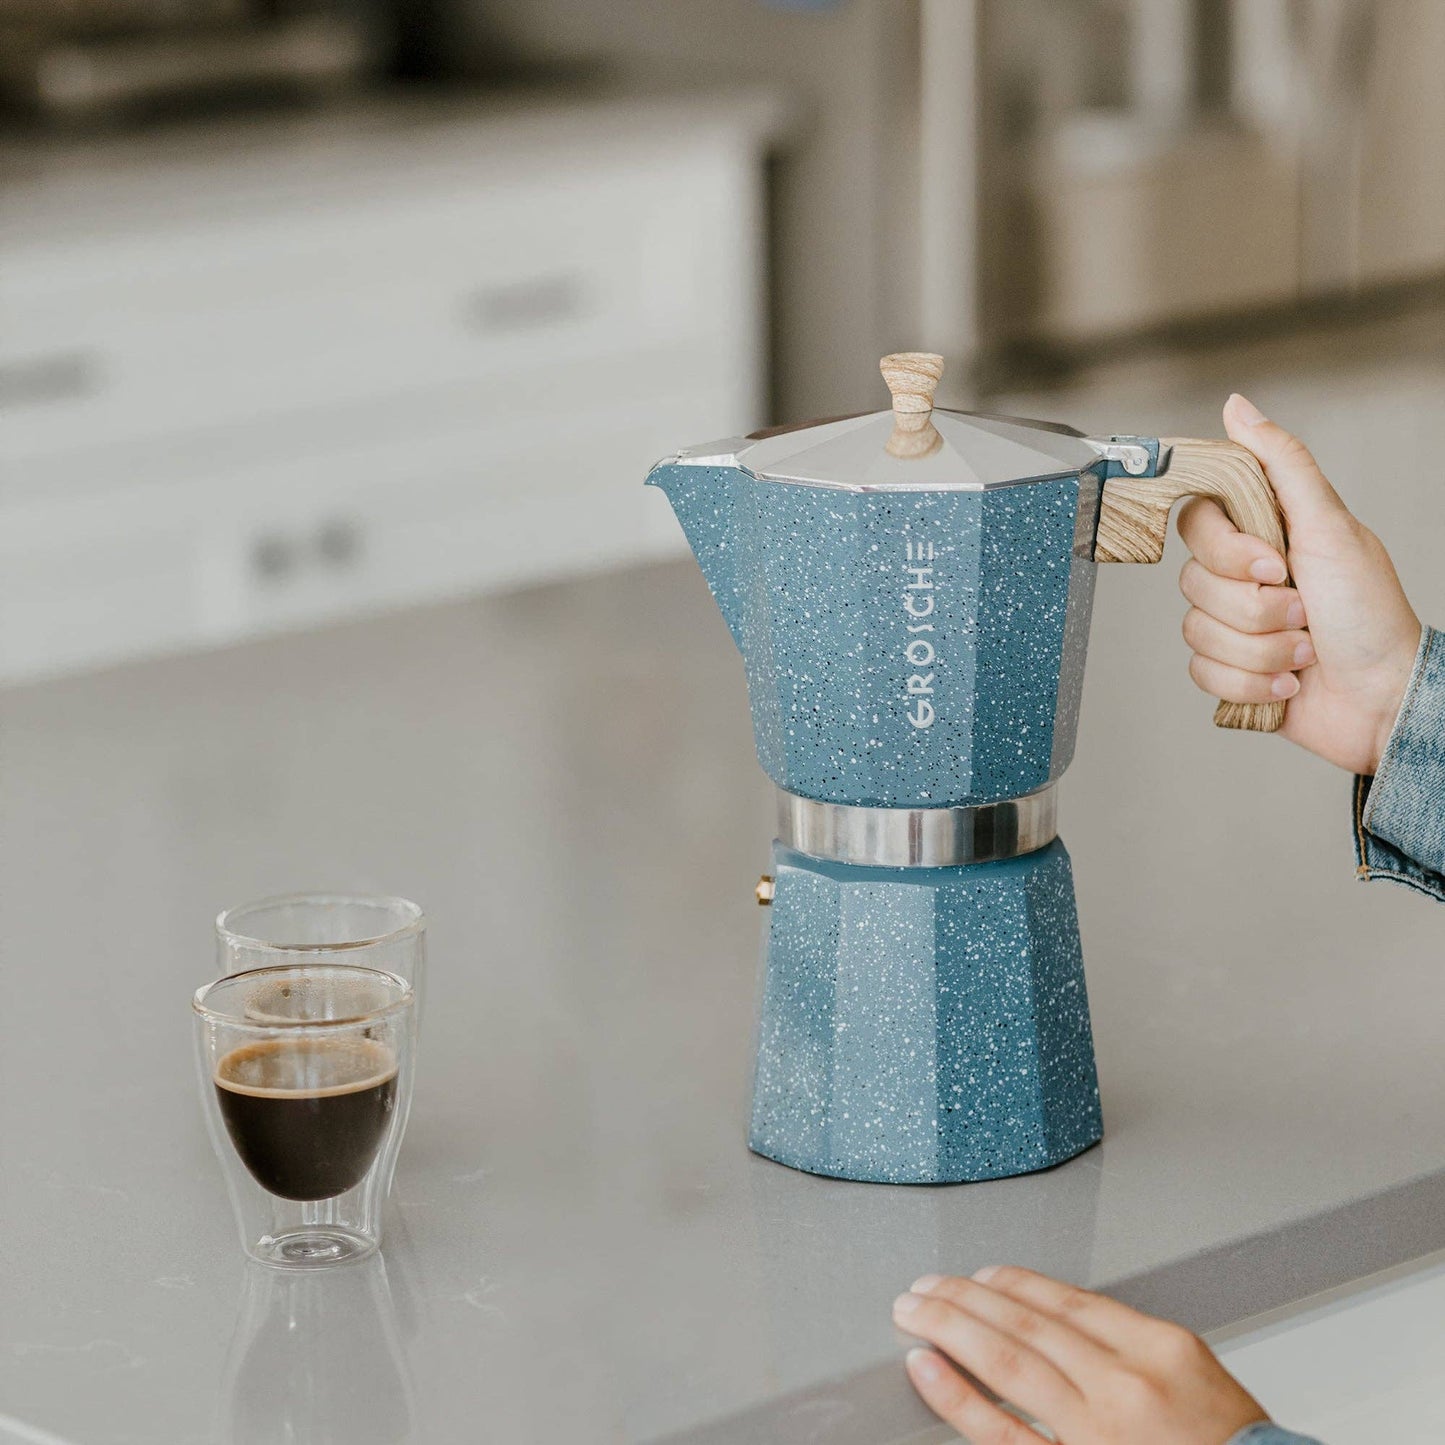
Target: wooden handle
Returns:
[913, 377]
[1134, 520]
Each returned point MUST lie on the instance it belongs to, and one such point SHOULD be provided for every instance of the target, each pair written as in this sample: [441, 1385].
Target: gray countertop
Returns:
[581, 1248]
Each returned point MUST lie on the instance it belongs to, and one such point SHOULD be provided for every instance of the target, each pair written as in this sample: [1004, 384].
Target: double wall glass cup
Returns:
[305, 1073]
[376, 932]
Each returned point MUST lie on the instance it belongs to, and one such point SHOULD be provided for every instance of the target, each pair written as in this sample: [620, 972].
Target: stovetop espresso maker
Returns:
[910, 591]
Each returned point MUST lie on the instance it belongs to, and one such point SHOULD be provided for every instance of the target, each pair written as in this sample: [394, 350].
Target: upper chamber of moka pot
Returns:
[910, 591]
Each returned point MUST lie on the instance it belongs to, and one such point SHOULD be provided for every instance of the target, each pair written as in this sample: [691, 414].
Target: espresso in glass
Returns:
[307, 1116]
[305, 1072]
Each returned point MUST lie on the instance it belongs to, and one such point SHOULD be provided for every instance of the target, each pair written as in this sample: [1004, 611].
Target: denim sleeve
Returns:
[1400, 812]
[1267, 1434]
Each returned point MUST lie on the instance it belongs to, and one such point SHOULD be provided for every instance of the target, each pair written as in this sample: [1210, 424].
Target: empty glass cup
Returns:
[305, 1074]
[384, 933]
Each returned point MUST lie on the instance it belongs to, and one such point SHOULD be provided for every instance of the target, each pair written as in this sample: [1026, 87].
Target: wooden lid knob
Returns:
[912, 377]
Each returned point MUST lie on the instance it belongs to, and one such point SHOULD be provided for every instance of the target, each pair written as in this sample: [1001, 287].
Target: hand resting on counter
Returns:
[1092, 1370]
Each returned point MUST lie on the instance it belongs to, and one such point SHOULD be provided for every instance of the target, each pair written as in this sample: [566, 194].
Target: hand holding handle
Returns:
[1134, 521]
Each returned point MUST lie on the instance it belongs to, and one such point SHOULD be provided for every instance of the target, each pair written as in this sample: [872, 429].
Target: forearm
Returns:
[1400, 812]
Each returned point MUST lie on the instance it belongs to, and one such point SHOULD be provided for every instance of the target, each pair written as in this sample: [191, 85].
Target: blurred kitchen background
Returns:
[314, 309]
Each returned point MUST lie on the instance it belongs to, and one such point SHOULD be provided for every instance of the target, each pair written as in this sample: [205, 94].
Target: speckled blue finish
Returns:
[924, 1025]
[914, 648]
[815, 585]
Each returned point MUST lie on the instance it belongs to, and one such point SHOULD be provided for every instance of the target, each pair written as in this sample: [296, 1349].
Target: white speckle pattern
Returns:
[924, 1026]
[812, 583]
[918, 1025]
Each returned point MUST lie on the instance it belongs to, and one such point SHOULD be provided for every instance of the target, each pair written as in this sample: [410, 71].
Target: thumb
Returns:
[1306, 498]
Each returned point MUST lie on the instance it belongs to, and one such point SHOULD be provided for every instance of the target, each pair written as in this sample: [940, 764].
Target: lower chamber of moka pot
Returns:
[924, 1025]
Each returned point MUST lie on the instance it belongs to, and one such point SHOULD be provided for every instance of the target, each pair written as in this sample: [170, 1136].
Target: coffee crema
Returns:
[307, 1115]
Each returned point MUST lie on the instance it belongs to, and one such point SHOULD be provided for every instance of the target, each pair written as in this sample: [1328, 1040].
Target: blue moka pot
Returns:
[910, 591]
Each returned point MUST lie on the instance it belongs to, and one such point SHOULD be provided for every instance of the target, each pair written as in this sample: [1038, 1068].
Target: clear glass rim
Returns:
[275, 1025]
[415, 922]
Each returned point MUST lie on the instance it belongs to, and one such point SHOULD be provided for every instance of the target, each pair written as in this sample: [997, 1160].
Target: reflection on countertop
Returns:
[316, 1357]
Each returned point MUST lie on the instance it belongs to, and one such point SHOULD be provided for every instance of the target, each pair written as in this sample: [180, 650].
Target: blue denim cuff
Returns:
[1266, 1434]
[1400, 812]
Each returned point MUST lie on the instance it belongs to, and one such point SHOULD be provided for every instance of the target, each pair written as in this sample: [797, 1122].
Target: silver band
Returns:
[918, 837]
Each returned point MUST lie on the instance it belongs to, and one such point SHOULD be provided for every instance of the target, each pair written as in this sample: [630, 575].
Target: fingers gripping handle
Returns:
[1134, 520]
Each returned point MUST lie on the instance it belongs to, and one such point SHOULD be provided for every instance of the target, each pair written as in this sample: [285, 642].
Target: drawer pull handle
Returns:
[57, 376]
[518, 305]
[338, 542]
[273, 557]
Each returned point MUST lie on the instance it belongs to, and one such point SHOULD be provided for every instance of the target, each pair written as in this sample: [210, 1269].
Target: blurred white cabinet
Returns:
[1401, 226]
[1138, 226]
[257, 379]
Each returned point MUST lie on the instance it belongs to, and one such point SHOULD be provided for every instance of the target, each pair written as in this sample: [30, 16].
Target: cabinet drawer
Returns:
[452, 513]
[296, 313]
[444, 513]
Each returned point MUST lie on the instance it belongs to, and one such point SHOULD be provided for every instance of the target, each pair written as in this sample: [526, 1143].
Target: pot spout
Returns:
[707, 488]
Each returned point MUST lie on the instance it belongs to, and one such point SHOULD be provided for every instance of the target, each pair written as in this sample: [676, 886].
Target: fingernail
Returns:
[1295, 617]
[906, 1304]
[1304, 654]
[1267, 569]
[1246, 410]
[1285, 685]
[923, 1363]
[926, 1283]
[986, 1273]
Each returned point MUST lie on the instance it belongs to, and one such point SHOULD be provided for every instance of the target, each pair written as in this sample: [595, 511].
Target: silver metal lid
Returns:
[911, 447]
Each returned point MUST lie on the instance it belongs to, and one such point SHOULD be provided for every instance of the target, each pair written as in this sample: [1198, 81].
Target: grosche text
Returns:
[919, 600]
